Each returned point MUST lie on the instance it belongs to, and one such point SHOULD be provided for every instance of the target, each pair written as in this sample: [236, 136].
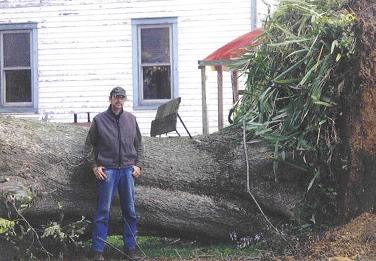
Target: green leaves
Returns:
[292, 81]
[6, 225]
[54, 230]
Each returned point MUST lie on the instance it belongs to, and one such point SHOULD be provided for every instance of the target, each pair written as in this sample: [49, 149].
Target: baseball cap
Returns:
[118, 91]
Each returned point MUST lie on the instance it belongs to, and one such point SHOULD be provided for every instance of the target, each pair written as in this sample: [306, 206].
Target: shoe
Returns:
[98, 256]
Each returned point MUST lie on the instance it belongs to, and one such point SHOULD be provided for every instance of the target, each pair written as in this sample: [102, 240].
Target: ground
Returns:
[353, 241]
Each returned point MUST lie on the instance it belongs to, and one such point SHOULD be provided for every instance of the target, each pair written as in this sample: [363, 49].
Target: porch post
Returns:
[205, 125]
[220, 95]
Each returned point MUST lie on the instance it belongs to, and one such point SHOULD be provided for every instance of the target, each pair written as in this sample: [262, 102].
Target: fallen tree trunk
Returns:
[194, 188]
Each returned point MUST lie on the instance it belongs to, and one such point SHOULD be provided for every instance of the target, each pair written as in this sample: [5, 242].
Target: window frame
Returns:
[20, 107]
[137, 24]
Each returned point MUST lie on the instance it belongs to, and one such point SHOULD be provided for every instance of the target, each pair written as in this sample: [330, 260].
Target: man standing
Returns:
[114, 146]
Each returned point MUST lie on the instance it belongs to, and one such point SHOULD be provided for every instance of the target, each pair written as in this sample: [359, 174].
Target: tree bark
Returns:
[192, 188]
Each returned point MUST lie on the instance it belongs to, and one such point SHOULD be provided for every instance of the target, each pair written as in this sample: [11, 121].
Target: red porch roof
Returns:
[236, 47]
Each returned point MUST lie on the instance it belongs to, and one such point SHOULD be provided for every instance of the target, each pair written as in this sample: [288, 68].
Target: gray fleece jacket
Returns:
[114, 141]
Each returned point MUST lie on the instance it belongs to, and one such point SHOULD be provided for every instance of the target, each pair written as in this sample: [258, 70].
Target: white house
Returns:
[60, 57]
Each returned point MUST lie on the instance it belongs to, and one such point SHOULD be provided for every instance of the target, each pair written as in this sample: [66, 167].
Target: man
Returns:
[114, 146]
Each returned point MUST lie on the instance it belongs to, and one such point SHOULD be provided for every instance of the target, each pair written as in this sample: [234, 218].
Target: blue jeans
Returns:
[123, 181]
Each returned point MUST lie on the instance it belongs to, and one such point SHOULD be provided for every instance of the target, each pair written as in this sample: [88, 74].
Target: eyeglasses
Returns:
[119, 97]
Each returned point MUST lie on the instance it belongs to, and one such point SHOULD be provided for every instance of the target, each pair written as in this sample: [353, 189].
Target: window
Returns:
[155, 61]
[17, 68]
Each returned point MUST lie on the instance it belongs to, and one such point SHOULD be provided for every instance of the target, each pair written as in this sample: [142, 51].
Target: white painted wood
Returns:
[85, 49]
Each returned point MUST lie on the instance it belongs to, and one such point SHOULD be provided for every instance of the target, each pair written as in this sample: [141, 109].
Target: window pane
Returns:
[157, 82]
[18, 86]
[16, 49]
[155, 45]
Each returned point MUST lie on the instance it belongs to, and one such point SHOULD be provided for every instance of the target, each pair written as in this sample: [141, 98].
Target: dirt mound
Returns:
[353, 241]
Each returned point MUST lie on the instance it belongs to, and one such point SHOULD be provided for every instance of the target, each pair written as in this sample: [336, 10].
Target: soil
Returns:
[359, 183]
[353, 241]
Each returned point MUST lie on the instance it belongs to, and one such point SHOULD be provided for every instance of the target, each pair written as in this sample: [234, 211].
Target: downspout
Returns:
[253, 14]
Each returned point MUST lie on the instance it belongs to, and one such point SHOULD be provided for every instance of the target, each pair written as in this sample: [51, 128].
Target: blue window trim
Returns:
[32, 27]
[136, 22]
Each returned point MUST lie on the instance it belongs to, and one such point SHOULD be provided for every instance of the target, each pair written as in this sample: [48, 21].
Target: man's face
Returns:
[117, 102]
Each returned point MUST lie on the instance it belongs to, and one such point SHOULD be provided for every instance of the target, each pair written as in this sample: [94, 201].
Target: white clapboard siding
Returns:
[85, 49]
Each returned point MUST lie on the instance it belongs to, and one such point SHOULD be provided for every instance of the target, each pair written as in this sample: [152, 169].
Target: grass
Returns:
[163, 249]
[157, 247]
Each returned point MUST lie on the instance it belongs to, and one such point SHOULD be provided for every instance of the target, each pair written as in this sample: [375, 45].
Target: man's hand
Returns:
[99, 173]
[136, 171]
